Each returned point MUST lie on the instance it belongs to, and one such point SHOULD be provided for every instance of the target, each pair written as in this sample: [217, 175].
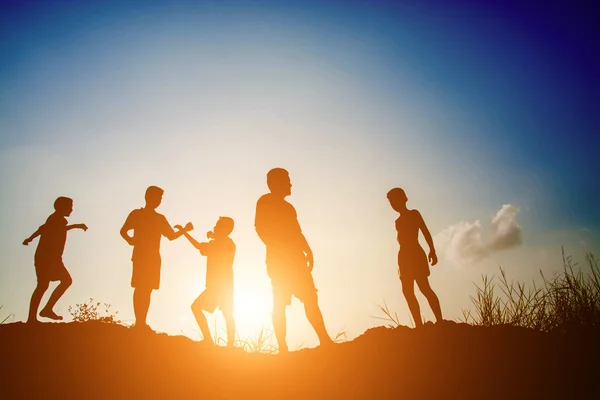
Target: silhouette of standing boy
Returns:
[289, 257]
[48, 259]
[413, 265]
[148, 228]
[219, 252]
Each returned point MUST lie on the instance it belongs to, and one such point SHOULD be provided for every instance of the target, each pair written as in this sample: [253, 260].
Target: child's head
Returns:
[278, 181]
[153, 196]
[223, 227]
[397, 198]
[63, 206]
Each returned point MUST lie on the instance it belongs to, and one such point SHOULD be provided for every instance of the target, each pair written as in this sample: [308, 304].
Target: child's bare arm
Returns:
[33, 235]
[182, 230]
[127, 226]
[77, 226]
[432, 256]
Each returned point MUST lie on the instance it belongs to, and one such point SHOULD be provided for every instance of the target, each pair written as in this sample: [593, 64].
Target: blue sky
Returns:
[524, 75]
[470, 107]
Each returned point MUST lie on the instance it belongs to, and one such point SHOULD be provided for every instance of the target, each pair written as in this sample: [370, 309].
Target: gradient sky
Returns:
[476, 110]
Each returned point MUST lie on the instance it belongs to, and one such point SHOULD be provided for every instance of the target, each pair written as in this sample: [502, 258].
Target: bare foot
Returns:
[283, 350]
[142, 327]
[50, 314]
[326, 343]
[207, 343]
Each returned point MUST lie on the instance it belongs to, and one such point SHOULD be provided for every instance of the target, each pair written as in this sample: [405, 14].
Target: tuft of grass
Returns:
[6, 319]
[565, 300]
[341, 336]
[390, 317]
[263, 342]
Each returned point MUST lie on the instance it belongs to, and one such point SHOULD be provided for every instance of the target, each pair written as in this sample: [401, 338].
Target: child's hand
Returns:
[83, 226]
[188, 227]
[26, 241]
[433, 258]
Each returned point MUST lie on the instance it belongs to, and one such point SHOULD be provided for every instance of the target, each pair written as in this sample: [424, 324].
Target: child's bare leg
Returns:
[315, 317]
[230, 324]
[141, 304]
[431, 297]
[201, 320]
[36, 298]
[47, 311]
[408, 289]
[279, 325]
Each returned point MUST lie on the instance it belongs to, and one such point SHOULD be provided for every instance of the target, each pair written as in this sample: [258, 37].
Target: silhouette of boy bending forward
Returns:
[412, 262]
[219, 253]
[48, 259]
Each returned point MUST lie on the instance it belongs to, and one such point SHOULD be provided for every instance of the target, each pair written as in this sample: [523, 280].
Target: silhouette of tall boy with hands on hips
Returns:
[48, 259]
[413, 265]
[289, 257]
[148, 228]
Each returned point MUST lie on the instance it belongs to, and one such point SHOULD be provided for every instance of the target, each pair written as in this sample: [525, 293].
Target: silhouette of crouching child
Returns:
[48, 259]
[220, 253]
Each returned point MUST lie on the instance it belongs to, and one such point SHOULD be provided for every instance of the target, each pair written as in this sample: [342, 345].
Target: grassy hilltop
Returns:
[535, 342]
[96, 360]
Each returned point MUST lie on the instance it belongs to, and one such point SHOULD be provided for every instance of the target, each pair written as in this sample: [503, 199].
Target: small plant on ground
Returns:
[341, 336]
[392, 319]
[93, 311]
[263, 342]
[7, 318]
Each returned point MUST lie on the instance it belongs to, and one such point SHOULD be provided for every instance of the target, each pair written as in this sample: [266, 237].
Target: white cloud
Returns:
[464, 242]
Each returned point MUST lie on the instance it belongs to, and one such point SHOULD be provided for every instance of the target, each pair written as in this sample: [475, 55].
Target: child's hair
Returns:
[275, 175]
[153, 191]
[62, 202]
[395, 193]
[227, 225]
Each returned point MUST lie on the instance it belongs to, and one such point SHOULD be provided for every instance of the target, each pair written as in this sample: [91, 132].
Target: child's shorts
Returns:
[51, 270]
[211, 298]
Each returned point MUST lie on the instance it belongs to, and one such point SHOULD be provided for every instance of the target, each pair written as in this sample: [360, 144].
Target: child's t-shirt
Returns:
[52, 239]
[149, 227]
[219, 254]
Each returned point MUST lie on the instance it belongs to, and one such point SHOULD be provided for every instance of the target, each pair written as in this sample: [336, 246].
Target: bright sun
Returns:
[252, 309]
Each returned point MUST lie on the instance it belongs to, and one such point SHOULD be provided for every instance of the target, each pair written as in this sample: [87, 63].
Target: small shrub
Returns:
[93, 311]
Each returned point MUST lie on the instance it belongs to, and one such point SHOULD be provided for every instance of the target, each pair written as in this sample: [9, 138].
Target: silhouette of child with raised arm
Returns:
[219, 252]
[48, 259]
[413, 265]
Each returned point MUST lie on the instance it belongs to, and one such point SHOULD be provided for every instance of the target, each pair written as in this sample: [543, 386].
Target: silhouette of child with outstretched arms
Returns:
[219, 252]
[48, 259]
[413, 265]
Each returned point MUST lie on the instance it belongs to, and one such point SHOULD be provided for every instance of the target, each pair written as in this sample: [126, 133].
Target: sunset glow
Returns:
[204, 99]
